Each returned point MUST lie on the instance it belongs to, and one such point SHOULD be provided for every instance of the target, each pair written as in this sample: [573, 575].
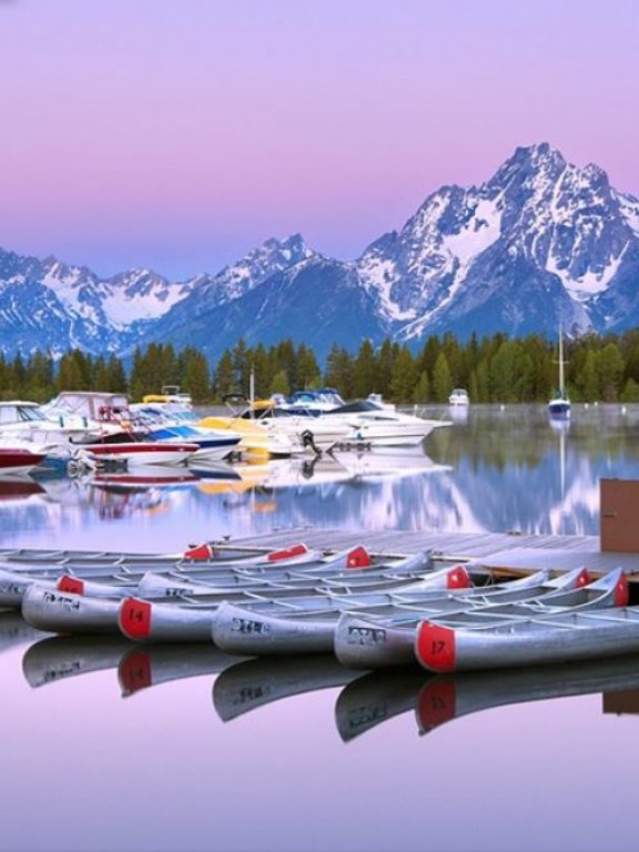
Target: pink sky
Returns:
[179, 135]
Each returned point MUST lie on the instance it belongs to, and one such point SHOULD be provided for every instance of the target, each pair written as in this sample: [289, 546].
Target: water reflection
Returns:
[250, 685]
[365, 701]
[496, 470]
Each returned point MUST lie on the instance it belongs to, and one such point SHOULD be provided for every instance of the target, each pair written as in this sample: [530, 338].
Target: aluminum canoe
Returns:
[540, 640]
[66, 610]
[280, 629]
[365, 643]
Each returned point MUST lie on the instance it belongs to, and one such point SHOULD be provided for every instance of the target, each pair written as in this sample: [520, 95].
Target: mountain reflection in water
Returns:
[491, 470]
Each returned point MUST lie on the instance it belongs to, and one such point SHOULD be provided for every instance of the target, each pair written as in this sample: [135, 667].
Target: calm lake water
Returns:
[109, 746]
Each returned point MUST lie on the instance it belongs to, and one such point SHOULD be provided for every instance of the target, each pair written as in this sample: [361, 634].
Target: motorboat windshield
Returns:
[20, 412]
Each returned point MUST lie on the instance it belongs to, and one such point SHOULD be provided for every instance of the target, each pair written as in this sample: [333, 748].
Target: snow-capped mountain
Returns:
[49, 304]
[539, 242]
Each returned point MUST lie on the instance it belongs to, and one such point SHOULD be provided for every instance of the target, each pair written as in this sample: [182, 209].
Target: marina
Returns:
[248, 511]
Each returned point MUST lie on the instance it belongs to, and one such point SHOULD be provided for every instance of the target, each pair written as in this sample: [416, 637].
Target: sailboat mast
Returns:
[562, 391]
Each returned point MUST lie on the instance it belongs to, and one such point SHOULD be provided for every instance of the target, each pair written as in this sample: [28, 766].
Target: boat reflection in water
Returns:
[376, 697]
[365, 701]
[254, 683]
[57, 658]
[14, 630]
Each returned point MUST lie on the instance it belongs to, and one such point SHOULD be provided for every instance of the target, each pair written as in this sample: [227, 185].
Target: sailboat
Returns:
[560, 405]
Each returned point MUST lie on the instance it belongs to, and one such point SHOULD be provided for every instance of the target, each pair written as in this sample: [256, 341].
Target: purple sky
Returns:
[180, 134]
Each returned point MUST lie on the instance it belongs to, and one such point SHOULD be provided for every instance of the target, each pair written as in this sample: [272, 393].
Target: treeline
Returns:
[493, 369]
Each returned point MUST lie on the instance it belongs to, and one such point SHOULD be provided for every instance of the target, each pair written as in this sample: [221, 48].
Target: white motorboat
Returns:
[135, 453]
[26, 423]
[459, 396]
[213, 444]
[372, 424]
[303, 429]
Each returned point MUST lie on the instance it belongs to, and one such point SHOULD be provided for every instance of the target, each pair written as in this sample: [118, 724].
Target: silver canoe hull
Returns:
[62, 612]
[242, 631]
[539, 641]
[141, 621]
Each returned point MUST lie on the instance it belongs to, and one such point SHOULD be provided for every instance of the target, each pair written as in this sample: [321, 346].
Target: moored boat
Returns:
[19, 459]
[134, 453]
[539, 640]
[365, 643]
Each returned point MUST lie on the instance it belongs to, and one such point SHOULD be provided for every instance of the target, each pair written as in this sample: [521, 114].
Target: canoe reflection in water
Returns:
[254, 683]
[378, 696]
[365, 701]
[59, 657]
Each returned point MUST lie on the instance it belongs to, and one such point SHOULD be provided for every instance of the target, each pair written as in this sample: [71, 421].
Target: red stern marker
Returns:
[583, 579]
[201, 553]
[622, 592]
[70, 584]
[358, 558]
[135, 618]
[458, 578]
[435, 647]
[289, 553]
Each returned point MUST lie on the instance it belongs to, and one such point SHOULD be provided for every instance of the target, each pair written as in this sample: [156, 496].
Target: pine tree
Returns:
[421, 391]
[384, 370]
[630, 391]
[404, 376]
[364, 370]
[588, 379]
[196, 375]
[225, 376]
[339, 371]
[442, 381]
[280, 384]
[610, 369]
[117, 382]
[306, 367]
[473, 387]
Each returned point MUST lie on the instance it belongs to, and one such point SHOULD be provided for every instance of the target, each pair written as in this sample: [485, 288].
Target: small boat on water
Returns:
[559, 407]
[213, 445]
[135, 453]
[371, 644]
[278, 629]
[459, 396]
[538, 640]
[74, 605]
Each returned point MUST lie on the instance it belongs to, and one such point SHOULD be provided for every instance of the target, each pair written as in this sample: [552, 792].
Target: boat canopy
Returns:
[92, 405]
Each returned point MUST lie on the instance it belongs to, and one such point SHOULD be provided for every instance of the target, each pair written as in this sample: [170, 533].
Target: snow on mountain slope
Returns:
[541, 241]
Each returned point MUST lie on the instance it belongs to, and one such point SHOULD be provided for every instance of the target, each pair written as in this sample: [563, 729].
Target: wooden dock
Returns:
[506, 552]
